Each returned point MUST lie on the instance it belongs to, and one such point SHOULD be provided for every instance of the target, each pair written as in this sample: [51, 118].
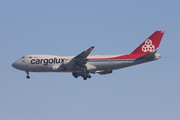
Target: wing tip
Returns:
[91, 48]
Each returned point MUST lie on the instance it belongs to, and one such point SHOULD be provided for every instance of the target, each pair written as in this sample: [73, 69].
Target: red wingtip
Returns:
[90, 49]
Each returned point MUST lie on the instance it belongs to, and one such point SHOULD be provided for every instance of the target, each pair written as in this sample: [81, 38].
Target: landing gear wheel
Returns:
[85, 78]
[88, 76]
[27, 77]
[75, 75]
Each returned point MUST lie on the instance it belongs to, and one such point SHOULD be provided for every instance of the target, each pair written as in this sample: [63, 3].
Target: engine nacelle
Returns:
[105, 72]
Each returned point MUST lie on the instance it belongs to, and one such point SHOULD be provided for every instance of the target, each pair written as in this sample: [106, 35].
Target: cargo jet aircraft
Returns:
[83, 64]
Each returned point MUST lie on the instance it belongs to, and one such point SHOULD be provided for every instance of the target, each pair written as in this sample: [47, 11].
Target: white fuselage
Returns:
[53, 63]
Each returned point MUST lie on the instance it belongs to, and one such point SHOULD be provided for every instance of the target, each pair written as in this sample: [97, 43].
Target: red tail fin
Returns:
[151, 44]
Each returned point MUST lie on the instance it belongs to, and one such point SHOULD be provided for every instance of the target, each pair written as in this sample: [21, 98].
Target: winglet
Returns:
[151, 44]
[90, 49]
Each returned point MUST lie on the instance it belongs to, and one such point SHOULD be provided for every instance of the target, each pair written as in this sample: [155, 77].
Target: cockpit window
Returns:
[30, 57]
[23, 57]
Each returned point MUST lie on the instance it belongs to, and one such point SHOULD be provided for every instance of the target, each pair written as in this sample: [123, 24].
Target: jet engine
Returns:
[103, 72]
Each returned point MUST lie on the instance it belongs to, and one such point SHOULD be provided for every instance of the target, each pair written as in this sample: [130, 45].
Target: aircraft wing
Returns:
[81, 59]
[84, 54]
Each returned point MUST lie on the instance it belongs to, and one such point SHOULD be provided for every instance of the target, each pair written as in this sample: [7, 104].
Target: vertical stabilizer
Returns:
[151, 44]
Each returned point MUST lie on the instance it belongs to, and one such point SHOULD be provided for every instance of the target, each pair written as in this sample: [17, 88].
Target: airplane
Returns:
[83, 65]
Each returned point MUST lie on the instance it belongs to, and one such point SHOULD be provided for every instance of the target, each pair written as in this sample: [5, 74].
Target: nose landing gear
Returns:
[28, 77]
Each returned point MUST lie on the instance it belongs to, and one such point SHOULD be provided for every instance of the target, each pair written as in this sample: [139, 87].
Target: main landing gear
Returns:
[75, 75]
[84, 75]
[28, 77]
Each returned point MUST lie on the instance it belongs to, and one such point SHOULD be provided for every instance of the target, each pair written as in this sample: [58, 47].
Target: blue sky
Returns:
[149, 91]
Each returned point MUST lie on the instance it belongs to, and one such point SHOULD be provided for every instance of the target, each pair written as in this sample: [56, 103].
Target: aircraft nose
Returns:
[14, 65]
